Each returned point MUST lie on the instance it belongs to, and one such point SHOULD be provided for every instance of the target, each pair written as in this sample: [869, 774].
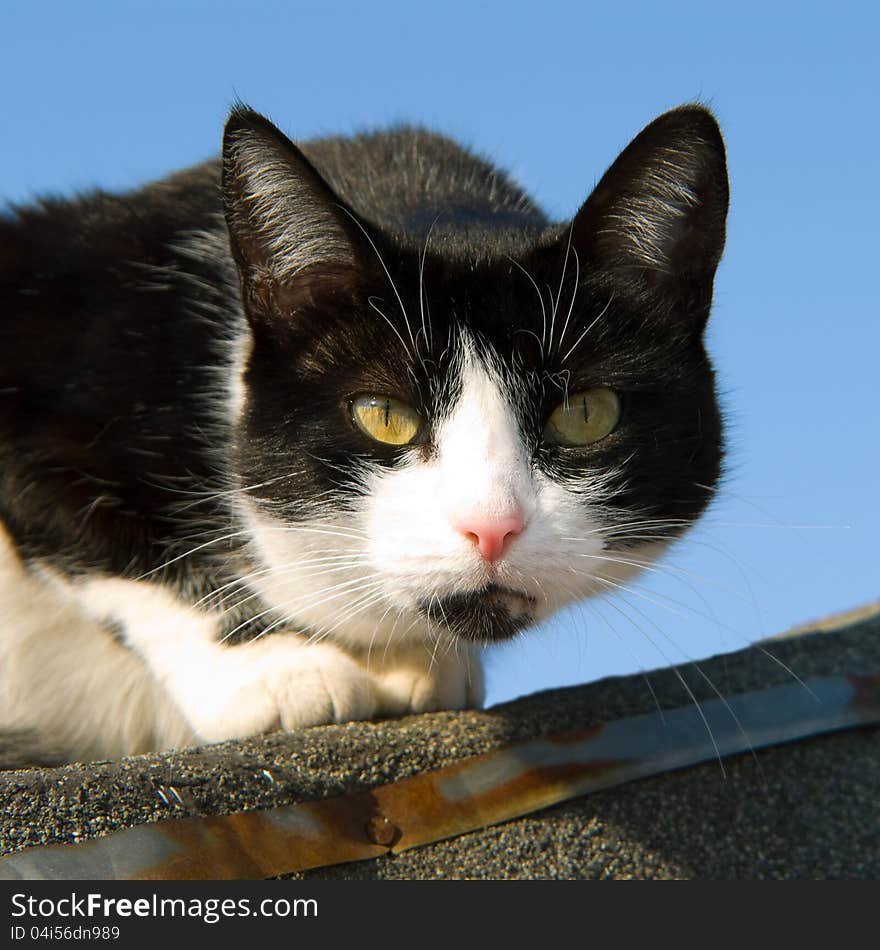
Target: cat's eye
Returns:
[386, 420]
[584, 417]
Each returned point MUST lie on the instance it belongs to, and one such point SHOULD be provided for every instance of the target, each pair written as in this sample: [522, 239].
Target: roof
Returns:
[806, 809]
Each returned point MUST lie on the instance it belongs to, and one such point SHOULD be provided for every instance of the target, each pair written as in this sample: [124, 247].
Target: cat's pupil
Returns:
[387, 412]
[586, 414]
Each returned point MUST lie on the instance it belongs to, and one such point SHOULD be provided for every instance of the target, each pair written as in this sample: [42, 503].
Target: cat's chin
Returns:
[488, 615]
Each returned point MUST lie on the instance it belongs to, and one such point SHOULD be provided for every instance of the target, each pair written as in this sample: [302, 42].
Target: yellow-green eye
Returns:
[386, 420]
[584, 417]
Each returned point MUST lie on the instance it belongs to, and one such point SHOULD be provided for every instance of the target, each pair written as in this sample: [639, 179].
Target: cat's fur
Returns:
[196, 543]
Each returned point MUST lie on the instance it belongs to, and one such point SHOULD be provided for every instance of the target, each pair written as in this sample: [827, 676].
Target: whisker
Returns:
[684, 683]
[590, 327]
[785, 667]
[708, 680]
[243, 579]
[342, 589]
[577, 280]
[280, 571]
[390, 280]
[540, 298]
[429, 337]
[562, 277]
[180, 557]
[361, 604]
[581, 606]
[667, 570]
[372, 302]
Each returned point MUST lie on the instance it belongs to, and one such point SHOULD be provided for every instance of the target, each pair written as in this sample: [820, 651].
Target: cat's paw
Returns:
[455, 682]
[283, 684]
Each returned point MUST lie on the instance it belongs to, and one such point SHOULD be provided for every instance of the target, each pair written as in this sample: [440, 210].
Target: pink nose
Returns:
[490, 534]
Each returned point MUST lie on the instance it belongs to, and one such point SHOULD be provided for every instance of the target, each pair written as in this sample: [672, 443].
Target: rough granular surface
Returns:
[808, 809]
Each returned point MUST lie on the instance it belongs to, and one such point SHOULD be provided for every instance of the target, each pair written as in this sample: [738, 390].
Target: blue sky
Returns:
[113, 94]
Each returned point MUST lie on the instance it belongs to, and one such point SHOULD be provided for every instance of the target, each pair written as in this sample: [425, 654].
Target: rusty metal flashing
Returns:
[471, 794]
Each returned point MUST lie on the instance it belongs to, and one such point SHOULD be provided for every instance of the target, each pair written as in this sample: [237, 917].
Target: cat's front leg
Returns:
[417, 681]
[279, 681]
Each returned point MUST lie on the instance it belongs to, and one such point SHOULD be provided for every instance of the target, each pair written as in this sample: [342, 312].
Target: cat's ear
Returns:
[658, 214]
[289, 232]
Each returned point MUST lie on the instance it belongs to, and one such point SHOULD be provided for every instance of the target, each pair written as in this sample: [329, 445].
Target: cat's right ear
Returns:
[656, 220]
[290, 234]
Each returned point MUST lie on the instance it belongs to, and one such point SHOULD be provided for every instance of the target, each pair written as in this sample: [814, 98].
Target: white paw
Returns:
[455, 682]
[281, 683]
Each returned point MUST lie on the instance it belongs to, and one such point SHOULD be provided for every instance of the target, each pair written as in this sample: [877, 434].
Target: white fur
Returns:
[66, 679]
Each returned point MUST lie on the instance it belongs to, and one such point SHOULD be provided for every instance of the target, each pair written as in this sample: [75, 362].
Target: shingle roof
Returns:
[807, 809]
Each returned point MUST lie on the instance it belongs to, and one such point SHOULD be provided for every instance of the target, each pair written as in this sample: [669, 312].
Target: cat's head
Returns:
[467, 424]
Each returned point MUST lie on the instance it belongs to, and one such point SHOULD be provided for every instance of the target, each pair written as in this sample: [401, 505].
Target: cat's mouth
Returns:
[487, 615]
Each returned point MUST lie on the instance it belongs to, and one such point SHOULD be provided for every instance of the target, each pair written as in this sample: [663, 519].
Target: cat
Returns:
[289, 437]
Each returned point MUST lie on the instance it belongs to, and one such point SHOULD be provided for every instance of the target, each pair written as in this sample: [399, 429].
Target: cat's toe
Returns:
[319, 692]
[443, 686]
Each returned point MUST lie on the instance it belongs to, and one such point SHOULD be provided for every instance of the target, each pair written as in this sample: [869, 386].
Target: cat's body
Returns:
[297, 465]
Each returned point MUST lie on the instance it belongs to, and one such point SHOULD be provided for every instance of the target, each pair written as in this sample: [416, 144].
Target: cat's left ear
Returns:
[290, 234]
[656, 220]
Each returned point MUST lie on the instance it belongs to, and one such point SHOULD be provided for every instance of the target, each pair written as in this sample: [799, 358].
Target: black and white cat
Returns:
[286, 439]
